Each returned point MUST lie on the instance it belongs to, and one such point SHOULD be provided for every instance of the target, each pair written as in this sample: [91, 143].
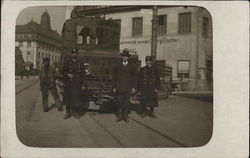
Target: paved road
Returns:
[181, 122]
[208, 97]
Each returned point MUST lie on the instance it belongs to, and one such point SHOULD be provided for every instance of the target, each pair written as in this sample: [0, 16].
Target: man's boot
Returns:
[143, 113]
[152, 112]
[68, 112]
[75, 113]
[59, 105]
[125, 115]
[119, 118]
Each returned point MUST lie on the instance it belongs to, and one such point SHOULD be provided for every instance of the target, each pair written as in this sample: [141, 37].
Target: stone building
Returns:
[38, 41]
[184, 38]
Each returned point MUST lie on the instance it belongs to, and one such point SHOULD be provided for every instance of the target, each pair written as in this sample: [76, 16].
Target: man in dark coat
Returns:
[149, 85]
[124, 82]
[74, 76]
[47, 78]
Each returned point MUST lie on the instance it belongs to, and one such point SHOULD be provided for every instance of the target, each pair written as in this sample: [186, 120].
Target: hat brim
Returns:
[125, 55]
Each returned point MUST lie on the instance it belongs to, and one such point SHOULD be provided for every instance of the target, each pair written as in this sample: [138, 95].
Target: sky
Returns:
[57, 16]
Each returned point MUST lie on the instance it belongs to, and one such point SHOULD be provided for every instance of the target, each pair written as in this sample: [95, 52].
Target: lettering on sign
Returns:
[159, 41]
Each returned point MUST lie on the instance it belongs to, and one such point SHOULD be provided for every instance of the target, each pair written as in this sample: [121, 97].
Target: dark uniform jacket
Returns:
[44, 76]
[124, 77]
[73, 86]
[148, 81]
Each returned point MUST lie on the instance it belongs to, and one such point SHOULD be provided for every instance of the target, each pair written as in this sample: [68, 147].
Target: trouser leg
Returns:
[120, 107]
[55, 95]
[143, 109]
[45, 96]
[68, 109]
[151, 109]
[126, 106]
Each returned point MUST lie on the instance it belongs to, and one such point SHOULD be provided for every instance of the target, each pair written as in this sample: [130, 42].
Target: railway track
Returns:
[25, 86]
[141, 124]
[107, 131]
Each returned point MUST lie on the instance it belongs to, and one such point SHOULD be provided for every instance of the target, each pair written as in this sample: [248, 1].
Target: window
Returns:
[26, 36]
[162, 25]
[137, 26]
[82, 33]
[29, 44]
[28, 52]
[29, 35]
[20, 44]
[183, 68]
[184, 23]
[103, 36]
[204, 26]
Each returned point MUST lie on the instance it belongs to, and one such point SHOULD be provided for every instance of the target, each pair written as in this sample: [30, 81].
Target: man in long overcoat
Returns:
[74, 78]
[47, 78]
[124, 82]
[149, 85]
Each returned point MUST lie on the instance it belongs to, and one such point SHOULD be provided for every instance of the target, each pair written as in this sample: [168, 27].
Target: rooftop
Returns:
[33, 27]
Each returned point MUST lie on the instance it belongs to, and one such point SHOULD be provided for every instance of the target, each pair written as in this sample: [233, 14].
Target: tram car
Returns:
[98, 42]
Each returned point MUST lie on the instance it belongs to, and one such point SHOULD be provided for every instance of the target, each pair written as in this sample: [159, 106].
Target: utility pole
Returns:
[197, 48]
[154, 33]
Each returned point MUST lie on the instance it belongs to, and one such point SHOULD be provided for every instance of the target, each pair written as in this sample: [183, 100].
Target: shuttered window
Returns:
[183, 68]
[137, 26]
[184, 23]
[162, 25]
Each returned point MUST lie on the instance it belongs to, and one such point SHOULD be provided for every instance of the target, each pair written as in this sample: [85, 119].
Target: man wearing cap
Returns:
[47, 78]
[149, 85]
[124, 82]
[74, 76]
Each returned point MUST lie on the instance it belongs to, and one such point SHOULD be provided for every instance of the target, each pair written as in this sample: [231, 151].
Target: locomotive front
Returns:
[98, 43]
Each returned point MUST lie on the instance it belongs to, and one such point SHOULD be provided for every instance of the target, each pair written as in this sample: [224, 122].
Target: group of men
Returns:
[126, 80]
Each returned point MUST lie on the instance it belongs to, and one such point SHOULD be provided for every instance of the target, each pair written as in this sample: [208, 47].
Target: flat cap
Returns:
[149, 58]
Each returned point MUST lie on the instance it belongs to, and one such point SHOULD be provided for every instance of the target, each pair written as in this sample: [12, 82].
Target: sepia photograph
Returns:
[114, 76]
[124, 79]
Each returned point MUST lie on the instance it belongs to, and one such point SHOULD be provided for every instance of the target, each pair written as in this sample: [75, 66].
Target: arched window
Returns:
[82, 33]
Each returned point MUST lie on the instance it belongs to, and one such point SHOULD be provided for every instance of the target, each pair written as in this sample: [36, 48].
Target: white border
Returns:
[231, 84]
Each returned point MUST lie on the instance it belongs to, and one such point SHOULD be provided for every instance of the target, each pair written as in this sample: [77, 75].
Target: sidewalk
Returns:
[193, 92]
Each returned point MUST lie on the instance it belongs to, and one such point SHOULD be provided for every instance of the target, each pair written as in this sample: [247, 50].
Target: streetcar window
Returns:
[82, 33]
[102, 35]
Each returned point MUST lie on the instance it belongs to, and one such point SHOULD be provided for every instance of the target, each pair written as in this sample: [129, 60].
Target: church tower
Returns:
[45, 20]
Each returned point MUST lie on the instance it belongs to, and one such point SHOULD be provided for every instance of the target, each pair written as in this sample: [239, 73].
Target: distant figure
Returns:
[27, 74]
[47, 83]
[74, 76]
[21, 74]
[149, 85]
[124, 82]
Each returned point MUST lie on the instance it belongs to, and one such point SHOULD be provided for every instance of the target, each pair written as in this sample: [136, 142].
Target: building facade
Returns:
[184, 38]
[38, 41]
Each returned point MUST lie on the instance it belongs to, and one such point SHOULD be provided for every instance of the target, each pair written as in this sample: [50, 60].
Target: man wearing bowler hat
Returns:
[149, 85]
[124, 82]
[74, 78]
